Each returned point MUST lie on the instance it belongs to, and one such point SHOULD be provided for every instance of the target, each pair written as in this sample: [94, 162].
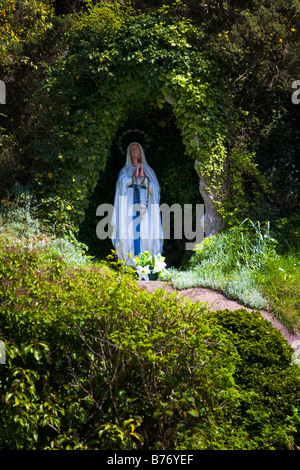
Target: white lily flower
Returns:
[143, 272]
[159, 266]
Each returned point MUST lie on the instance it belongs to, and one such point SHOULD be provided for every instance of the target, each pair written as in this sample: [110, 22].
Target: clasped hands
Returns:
[139, 170]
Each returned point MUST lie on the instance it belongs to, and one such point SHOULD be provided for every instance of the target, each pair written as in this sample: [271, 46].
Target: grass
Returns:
[238, 285]
[20, 228]
[280, 282]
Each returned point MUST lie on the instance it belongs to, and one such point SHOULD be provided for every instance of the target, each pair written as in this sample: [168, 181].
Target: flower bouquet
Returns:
[148, 266]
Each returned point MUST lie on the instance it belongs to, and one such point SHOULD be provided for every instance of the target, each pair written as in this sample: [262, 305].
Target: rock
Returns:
[213, 222]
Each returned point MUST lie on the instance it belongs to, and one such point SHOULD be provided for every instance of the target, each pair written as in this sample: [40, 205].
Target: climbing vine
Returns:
[113, 65]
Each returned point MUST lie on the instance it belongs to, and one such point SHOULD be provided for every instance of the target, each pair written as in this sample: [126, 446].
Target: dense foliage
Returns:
[117, 66]
[107, 75]
[95, 363]
[24, 28]
[248, 54]
[30, 39]
[250, 48]
[92, 361]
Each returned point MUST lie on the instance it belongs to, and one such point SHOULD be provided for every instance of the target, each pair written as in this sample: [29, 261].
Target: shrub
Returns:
[267, 373]
[93, 362]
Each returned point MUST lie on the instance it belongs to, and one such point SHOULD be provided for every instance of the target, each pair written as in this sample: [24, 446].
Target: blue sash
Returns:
[136, 226]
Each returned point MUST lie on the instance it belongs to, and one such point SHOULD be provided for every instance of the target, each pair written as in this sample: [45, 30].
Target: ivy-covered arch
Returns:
[87, 95]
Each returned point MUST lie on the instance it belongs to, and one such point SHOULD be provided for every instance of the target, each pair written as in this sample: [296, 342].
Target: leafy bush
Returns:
[289, 234]
[87, 352]
[93, 362]
[267, 373]
[23, 28]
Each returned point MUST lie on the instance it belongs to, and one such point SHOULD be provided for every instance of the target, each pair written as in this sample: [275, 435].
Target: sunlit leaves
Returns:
[23, 25]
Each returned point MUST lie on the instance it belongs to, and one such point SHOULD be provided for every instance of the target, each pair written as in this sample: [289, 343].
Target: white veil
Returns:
[147, 169]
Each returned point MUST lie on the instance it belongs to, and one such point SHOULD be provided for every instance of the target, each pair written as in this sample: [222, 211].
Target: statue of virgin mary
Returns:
[136, 221]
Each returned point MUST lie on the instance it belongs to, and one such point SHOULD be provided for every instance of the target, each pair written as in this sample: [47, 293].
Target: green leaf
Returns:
[194, 413]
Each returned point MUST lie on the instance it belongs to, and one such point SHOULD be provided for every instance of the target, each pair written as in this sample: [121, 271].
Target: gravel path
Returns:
[217, 301]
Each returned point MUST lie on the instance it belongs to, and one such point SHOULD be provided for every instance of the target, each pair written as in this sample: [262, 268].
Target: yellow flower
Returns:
[280, 40]
[50, 175]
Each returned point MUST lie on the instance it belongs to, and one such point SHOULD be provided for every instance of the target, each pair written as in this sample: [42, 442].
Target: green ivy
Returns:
[109, 71]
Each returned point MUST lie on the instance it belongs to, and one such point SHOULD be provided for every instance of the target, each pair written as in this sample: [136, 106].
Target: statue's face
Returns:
[135, 153]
